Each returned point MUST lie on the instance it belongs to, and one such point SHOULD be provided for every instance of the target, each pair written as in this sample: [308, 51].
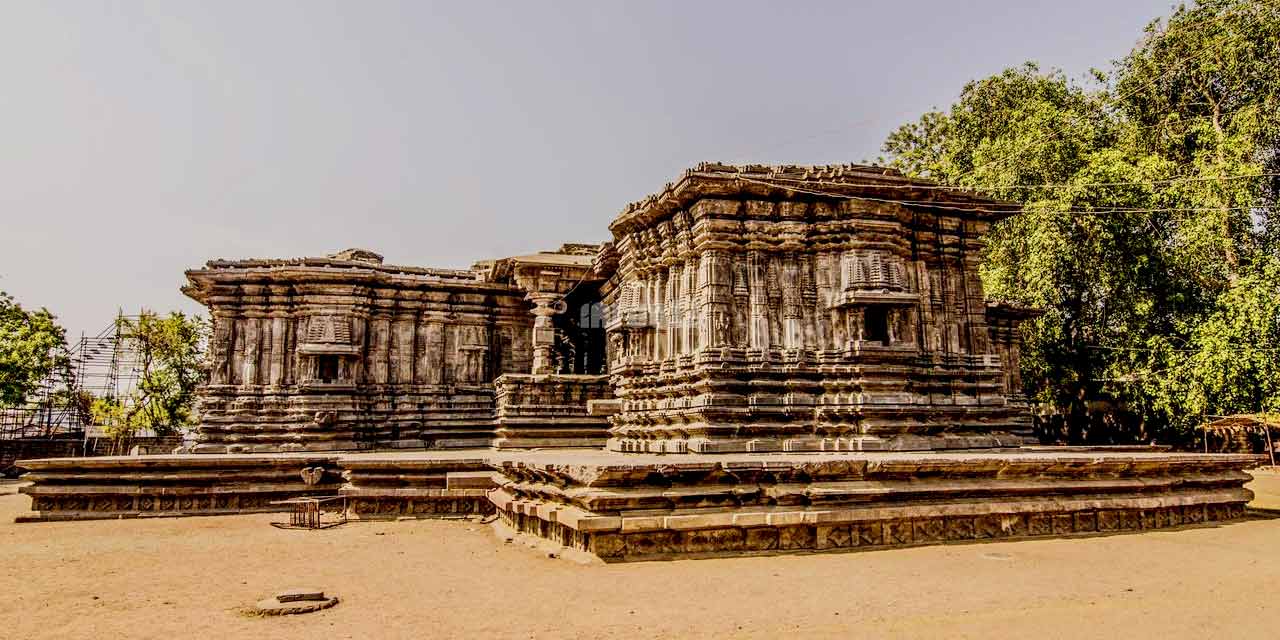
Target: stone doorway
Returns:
[580, 336]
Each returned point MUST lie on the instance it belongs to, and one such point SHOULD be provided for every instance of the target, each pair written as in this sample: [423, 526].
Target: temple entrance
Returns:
[580, 338]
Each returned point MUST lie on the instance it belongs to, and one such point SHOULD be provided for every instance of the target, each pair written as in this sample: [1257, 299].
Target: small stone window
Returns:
[876, 324]
[327, 368]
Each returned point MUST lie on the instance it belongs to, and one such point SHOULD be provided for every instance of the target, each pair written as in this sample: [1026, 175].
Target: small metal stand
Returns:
[308, 513]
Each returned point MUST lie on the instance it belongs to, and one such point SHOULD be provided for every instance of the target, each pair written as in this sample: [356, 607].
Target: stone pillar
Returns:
[379, 349]
[545, 305]
[716, 313]
[252, 349]
[672, 308]
[275, 371]
[430, 367]
[758, 330]
[220, 348]
[402, 341]
[792, 311]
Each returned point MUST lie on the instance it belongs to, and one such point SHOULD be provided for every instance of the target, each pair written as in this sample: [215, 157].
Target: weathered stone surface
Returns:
[752, 318]
[650, 507]
[345, 353]
[550, 411]
[297, 594]
[638, 506]
[280, 606]
[172, 485]
[427, 485]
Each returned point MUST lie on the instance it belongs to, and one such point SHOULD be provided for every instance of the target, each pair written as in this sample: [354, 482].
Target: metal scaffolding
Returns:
[99, 366]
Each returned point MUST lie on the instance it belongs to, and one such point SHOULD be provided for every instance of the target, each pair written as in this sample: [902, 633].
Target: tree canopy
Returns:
[32, 346]
[170, 353]
[1149, 233]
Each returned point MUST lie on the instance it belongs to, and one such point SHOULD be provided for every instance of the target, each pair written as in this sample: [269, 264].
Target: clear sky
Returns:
[139, 139]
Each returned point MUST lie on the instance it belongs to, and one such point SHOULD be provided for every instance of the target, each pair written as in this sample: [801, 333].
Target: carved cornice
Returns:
[716, 180]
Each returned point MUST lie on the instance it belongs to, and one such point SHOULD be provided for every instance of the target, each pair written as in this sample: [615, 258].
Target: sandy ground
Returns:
[189, 578]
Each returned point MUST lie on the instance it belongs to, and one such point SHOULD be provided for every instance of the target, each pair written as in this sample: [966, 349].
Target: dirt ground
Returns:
[189, 578]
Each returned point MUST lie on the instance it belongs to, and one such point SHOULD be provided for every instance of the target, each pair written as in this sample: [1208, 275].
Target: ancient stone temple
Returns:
[758, 360]
[752, 316]
[344, 353]
[741, 316]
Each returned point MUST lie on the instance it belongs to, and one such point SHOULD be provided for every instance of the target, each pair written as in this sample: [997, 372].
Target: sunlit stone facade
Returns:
[805, 309]
[739, 309]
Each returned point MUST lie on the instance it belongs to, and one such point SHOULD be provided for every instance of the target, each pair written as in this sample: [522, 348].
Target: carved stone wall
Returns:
[748, 309]
[326, 354]
[756, 318]
[551, 410]
[647, 507]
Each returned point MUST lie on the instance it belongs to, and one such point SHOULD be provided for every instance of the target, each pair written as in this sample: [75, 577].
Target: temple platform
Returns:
[623, 507]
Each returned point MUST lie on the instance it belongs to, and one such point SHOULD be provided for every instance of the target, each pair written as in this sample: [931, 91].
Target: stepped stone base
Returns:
[650, 507]
[623, 507]
[190, 485]
[407, 485]
[550, 411]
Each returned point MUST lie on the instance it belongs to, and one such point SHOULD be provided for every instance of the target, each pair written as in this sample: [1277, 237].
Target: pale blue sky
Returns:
[138, 139]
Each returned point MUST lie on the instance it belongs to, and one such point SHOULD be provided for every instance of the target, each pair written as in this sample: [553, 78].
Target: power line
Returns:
[1062, 185]
[1235, 347]
[994, 208]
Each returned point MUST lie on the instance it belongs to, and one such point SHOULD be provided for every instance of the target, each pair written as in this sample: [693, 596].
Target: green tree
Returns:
[170, 353]
[1191, 109]
[32, 346]
[1229, 362]
[1202, 86]
[1095, 274]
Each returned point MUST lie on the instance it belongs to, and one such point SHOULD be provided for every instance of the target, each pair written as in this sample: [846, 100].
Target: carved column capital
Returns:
[545, 305]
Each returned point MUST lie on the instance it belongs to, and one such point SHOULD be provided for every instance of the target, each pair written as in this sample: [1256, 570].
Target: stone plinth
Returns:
[416, 486]
[143, 486]
[647, 507]
[550, 411]
[624, 507]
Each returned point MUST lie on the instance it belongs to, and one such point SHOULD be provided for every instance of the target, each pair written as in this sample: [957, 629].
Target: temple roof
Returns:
[575, 257]
[338, 261]
[350, 265]
[842, 181]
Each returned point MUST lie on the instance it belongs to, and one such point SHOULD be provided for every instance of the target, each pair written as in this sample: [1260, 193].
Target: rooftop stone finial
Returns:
[358, 255]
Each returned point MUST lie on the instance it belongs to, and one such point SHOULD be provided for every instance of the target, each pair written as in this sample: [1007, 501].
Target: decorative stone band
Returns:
[439, 484]
[638, 507]
[148, 486]
[634, 512]
[804, 444]
[759, 533]
[393, 486]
